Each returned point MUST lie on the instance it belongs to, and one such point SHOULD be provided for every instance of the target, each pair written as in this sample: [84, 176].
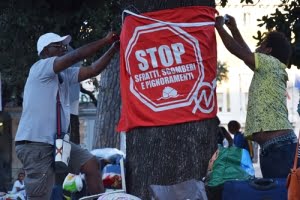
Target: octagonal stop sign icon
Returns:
[165, 66]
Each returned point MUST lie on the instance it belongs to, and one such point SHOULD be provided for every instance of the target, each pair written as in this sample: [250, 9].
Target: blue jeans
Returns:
[277, 156]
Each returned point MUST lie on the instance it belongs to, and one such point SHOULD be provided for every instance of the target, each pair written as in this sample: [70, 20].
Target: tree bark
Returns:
[108, 108]
[168, 155]
[155, 155]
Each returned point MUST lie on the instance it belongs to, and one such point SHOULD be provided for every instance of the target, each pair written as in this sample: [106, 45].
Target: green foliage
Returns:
[223, 3]
[222, 71]
[285, 19]
[22, 22]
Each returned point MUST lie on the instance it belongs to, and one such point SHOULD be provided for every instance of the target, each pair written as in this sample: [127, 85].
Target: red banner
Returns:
[168, 62]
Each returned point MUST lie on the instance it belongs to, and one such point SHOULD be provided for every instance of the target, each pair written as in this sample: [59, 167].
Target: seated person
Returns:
[19, 186]
[238, 138]
[224, 138]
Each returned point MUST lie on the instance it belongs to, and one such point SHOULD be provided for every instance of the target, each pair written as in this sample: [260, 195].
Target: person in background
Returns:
[239, 139]
[19, 186]
[267, 115]
[50, 78]
[223, 138]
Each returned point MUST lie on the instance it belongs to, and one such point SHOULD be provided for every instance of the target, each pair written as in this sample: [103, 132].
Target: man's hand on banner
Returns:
[116, 45]
[230, 23]
[219, 22]
[111, 37]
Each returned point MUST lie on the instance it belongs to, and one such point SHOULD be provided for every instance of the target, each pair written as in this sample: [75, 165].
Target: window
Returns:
[228, 99]
[246, 100]
[220, 102]
[247, 18]
[223, 99]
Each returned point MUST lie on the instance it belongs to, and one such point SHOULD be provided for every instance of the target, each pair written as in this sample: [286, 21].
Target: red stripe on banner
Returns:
[168, 67]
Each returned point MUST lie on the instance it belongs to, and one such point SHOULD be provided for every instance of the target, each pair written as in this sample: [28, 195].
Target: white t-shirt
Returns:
[74, 94]
[38, 120]
[19, 185]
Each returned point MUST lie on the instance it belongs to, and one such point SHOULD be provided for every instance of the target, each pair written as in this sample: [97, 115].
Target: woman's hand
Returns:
[230, 23]
[111, 37]
[116, 45]
[219, 22]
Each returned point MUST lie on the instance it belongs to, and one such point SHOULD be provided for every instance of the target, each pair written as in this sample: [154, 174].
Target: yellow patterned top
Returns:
[267, 110]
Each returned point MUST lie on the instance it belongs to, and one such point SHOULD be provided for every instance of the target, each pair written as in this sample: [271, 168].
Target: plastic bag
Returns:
[73, 183]
[108, 153]
[117, 195]
[231, 163]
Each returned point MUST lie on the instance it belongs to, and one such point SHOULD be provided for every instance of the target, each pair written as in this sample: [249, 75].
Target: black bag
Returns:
[191, 189]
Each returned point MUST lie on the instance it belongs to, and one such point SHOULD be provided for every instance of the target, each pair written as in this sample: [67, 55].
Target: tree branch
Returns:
[91, 95]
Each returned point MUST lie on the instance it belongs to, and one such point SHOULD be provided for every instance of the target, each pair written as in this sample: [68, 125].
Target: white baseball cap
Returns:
[49, 38]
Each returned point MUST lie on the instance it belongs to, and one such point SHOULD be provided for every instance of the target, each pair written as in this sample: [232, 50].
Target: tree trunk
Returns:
[168, 155]
[108, 108]
[155, 155]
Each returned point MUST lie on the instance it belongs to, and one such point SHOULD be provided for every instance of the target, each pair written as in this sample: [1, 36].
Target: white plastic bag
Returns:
[117, 195]
[108, 153]
[73, 183]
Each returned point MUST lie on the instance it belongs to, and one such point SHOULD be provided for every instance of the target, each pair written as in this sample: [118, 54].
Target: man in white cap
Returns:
[35, 137]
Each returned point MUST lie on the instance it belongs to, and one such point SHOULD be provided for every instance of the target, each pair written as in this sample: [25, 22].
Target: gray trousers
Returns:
[38, 162]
